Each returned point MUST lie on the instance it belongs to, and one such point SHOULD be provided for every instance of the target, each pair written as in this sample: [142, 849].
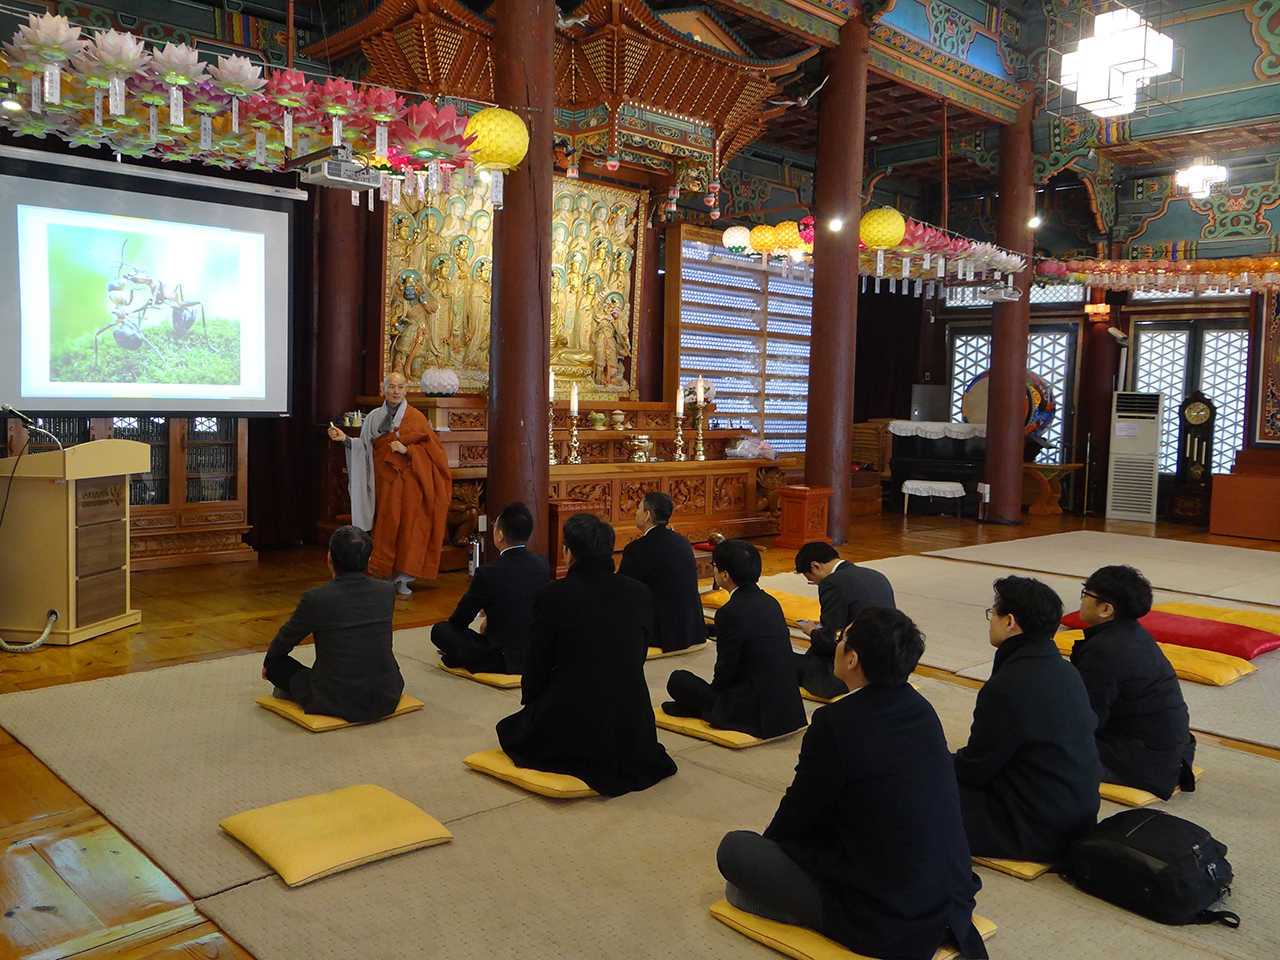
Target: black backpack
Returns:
[1165, 868]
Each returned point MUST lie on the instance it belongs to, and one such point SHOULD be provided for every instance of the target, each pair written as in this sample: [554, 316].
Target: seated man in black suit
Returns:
[355, 676]
[1144, 732]
[867, 846]
[1029, 773]
[586, 703]
[503, 589]
[844, 590]
[663, 561]
[754, 688]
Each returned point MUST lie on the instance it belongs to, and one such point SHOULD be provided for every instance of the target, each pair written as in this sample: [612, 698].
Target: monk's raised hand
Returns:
[335, 433]
[399, 447]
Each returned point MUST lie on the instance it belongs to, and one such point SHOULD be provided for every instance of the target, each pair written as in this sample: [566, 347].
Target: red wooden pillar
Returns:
[340, 274]
[520, 347]
[841, 122]
[1007, 394]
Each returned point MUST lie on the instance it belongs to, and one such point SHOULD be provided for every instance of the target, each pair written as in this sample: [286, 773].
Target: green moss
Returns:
[191, 359]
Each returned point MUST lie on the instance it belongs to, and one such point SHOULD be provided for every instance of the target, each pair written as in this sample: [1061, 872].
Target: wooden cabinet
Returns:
[192, 506]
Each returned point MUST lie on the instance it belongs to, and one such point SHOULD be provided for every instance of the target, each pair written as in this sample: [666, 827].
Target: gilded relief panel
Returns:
[438, 286]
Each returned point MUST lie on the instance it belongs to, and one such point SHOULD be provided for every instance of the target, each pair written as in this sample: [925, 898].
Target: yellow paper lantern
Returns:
[736, 239]
[501, 139]
[883, 228]
[787, 235]
[764, 239]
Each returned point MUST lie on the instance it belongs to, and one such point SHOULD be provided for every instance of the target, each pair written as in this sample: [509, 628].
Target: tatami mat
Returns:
[166, 754]
[1206, 569]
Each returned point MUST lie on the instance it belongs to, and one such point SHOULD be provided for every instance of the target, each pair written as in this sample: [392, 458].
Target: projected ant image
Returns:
[116, 306]
[127, 307]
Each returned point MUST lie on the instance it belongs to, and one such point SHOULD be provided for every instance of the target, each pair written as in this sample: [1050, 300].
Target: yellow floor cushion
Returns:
[1257, 619]
[806, 695]
[558, 785]
[312, 837]
[657, 653]
[697, 727]
[318, 722]
[506, 681]
[1189, 663]
[794, 606]
[1022, 869]
[1132, 796]
[805, 944]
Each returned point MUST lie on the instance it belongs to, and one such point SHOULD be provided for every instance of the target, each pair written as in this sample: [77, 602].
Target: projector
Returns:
[341, 174]
[995, 294]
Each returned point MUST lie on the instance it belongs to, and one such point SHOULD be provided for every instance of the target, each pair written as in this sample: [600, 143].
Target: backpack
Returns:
[1162, 867]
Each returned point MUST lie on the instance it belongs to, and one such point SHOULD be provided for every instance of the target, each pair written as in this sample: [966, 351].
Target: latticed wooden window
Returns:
[1178, 357]
[746, 329]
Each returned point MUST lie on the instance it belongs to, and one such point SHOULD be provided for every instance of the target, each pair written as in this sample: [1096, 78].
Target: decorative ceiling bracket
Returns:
[873, 10]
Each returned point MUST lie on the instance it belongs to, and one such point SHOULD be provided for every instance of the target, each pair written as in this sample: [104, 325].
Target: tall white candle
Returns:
[679, 400]
[698, 384]
[551, 385]
[573, 401]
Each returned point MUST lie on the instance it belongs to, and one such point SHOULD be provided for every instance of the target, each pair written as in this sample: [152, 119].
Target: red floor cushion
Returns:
[1232, 638]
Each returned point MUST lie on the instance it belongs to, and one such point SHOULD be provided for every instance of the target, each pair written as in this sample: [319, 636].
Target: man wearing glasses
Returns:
[1144, 736]
[1028, 776]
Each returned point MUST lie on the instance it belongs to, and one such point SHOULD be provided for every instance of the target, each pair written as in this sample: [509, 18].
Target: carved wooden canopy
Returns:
[629, 84]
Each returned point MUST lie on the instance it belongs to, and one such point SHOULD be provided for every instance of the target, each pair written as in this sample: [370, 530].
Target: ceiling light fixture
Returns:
[1199, 178]
[1035, 221]
[1106, 69]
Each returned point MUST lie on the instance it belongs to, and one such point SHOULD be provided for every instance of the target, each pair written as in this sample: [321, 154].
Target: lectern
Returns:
[64, 541]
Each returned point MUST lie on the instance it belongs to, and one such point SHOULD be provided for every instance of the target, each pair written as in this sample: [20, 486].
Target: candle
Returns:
[573, 401]
[679, 401]
[698, 384]
[551, 386]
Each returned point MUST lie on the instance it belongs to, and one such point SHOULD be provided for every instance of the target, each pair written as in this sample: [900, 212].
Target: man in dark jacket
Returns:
[867, 846]
[844, 589]
[503, 589]
[663, 561]
[1144, 731]
[754, 687]
[1029, 774]
[355, 676]
[586, 703]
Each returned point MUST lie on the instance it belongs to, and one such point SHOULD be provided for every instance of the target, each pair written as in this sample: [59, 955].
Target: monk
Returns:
[400, 487]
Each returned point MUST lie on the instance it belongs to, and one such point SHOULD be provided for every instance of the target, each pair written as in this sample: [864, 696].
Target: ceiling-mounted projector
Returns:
[999, 293]
[335, 167]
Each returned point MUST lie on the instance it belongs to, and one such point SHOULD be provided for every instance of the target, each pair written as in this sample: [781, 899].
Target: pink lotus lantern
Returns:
[428, 134]
[806, 225]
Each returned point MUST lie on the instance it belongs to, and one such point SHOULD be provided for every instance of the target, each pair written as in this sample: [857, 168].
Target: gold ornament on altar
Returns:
[882, 229]
[501, 139]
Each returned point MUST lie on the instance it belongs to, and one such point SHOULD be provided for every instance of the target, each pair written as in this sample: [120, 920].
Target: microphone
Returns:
[8, 408]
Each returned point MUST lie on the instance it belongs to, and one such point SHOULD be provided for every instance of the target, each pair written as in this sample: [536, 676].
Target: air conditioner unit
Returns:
[1134, 464]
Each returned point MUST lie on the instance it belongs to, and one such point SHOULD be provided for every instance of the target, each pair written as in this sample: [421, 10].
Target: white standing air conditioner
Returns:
[1134, 465]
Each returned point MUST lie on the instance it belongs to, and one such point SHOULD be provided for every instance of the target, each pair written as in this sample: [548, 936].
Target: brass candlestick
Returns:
[680, 457]
[551, 435]
[698, 417]
[574, 457]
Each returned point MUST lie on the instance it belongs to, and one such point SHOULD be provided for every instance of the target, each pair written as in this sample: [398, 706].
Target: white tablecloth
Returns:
[936, 430]
[933, 488]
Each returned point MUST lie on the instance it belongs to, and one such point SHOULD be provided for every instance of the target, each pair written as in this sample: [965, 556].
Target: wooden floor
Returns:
[72, 885]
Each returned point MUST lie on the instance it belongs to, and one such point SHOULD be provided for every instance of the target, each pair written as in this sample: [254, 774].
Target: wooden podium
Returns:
[64, 541]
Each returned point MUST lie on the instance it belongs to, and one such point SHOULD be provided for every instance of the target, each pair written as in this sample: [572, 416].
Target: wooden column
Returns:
[520, 348]
[339, 290]
[841, 122]
[1006, 399]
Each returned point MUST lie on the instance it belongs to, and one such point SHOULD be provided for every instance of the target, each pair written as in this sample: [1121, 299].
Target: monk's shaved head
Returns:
[393, 377]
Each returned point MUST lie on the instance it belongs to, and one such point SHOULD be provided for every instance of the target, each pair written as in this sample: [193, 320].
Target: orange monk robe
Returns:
[413, 492]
